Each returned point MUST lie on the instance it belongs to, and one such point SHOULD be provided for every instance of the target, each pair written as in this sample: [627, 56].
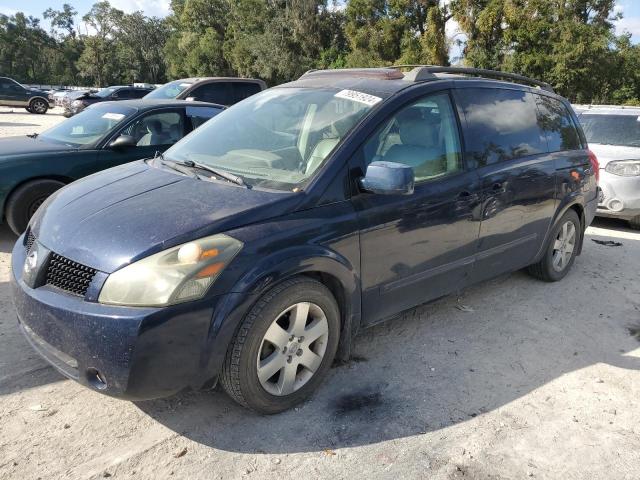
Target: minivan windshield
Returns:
[169, 90]
[277, 138]
[623, 130]
[90, 126]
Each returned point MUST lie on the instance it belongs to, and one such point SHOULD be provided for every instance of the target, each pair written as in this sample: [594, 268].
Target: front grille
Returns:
[28, 241]
[68, 275]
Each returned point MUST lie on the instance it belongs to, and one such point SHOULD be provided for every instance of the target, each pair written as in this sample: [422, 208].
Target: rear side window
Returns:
[217, 92]
[501, 124]
[242, 90]
[196, 116]
[138, 93]
[556, 122]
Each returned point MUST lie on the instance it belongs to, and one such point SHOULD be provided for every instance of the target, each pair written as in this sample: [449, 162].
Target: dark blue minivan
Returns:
[254, 250]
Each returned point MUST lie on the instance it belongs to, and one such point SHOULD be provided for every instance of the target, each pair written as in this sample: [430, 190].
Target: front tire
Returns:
[284, 347]
[25, 200]
[39, 106]
[28, 109]
[561, 251]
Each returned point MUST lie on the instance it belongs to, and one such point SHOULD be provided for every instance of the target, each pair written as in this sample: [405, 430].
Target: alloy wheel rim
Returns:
[563, 246]
[292, 348]
[38, 106]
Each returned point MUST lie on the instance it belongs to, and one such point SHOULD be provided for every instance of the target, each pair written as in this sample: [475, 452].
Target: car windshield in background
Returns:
[169, 90]
[278, 138]
[105, 92]
[89, 126]
[623, 130]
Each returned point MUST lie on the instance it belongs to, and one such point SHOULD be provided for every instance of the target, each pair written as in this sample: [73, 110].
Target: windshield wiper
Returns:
[174, 165]
[218, 173]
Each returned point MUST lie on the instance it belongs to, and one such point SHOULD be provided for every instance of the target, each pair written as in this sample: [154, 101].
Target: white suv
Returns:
[613, 134]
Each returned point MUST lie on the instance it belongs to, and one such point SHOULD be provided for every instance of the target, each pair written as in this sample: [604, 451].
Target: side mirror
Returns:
[123, 141]
[388, 178]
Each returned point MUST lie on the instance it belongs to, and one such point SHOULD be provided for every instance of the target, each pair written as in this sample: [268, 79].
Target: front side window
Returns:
[90, 126]
[242, 90]
[611, 129]
[423, 135]
[501, 125]
[169, 90]
[164, 128]
[556, 122]
[277, 138]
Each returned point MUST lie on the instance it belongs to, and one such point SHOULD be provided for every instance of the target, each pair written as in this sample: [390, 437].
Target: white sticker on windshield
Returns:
[113, 116]
[360, 97]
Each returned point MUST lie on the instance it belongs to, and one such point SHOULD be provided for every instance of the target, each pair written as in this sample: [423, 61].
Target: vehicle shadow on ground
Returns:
[438, 365]
[7, 239]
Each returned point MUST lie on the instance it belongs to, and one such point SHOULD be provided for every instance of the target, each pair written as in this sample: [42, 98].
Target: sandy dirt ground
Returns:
[512, 379]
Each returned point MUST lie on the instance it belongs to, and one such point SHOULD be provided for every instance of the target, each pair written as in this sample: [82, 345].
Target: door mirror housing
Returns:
[123, 141]
[388, 178]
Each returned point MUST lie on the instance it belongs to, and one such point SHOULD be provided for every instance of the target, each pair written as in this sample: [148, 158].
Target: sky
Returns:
[630, 10]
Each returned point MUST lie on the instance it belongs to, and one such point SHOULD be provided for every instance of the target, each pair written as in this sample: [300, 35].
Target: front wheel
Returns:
[38, 106]
[561, 251]
[26, 200]
[284, 347]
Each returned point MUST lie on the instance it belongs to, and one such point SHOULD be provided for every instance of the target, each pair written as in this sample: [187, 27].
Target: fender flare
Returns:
[560, 211]
[304, 260]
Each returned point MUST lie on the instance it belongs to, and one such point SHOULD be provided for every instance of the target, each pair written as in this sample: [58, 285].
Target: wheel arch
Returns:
[5, 200]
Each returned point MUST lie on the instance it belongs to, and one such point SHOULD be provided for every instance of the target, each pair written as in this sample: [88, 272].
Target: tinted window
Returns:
[554, 119]
[621, 130]
[217, 92]
[196, 116]
[123, 94]
[163, 128]
[501, 125]
[423, 135]
[242, 90]
[137, 93]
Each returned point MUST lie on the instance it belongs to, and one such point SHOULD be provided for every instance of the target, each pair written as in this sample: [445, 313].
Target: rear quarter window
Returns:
[216, 92]
[501, 125]
[556, 122]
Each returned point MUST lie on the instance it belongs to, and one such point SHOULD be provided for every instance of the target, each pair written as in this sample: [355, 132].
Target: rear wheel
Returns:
[284, 347]
[38, 106]
[635, 223]
[561, 251]
[26, 200]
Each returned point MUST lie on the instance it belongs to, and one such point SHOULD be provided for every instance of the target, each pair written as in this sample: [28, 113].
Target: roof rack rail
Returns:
[425, 72]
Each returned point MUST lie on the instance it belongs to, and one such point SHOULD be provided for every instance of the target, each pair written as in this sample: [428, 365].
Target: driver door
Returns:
[153, 131]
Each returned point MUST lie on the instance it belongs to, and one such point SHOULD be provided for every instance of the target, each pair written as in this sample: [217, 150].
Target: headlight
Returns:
[624, 168]
[172, 276]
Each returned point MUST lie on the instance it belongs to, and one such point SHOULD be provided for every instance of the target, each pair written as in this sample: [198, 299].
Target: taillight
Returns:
[595, 165]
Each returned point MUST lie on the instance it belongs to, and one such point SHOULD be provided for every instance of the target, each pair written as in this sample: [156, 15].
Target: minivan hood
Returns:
[120, 215]
[608, 153]
[24, 145]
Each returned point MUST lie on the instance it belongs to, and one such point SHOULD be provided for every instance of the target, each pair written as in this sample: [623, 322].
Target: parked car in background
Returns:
[613, 133]
[220, 90]
[105, 135]
[256, 247]
[109, 94]
[64, 100]
[12, 94]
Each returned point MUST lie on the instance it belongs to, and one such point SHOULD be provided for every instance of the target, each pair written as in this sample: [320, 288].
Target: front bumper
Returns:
[127, 352]
[620, 196]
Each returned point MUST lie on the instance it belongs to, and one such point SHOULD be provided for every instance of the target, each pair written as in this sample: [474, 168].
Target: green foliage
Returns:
[568, 43]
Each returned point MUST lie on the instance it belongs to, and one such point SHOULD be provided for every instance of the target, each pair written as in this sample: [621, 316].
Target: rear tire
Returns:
[26, 199]
[270, 366]
[39, 106]
[635, 223]
[562, 250]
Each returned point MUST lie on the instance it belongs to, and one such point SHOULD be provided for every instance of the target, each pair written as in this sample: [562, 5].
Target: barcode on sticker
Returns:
[360, 97]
